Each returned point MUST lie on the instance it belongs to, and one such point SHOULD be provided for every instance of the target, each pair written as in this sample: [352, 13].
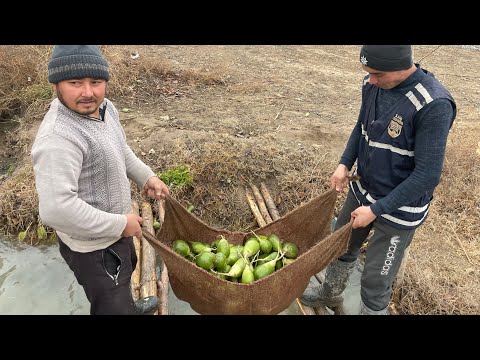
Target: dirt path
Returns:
[288, 94]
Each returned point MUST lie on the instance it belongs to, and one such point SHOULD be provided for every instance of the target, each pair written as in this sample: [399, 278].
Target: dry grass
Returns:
[18, 202]
[443, 271]
[221, 170]
[23, 78]
[150, 79]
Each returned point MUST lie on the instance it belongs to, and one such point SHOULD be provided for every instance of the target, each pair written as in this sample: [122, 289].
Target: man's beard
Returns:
[86, 112]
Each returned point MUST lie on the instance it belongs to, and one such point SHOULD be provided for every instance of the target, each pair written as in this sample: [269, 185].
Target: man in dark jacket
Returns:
[398, 145]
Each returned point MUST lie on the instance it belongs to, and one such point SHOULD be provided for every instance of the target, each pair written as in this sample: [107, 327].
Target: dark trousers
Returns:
[105, 276]
[385, 252]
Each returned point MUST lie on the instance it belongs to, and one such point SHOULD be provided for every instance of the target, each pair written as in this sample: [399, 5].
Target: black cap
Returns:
[387, 57]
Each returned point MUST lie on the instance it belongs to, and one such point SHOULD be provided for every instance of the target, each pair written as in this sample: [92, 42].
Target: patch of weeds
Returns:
[10, 169]
[180, 176]
[39, 91]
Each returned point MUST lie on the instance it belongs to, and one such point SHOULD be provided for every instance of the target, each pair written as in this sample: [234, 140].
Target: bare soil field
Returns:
[276, 114]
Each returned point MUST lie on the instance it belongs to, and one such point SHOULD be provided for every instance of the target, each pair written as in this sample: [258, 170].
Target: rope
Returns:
[431, 52]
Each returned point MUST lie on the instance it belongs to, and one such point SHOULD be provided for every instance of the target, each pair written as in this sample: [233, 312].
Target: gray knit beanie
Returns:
[77, 62]
[387, 57]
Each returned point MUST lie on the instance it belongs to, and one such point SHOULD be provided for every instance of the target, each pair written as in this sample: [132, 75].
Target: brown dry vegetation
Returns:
[278, 114]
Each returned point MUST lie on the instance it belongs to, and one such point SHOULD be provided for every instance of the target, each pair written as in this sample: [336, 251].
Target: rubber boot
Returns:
[365, 310]
[146, 305]
[329, 292]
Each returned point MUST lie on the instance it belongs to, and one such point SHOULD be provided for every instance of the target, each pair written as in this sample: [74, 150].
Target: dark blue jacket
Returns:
[386, 154]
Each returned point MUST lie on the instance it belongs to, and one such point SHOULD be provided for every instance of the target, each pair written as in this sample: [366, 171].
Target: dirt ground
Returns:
[292, 96]
[282, 115]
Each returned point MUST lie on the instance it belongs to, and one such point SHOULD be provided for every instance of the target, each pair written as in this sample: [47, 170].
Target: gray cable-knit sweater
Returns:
[82, 166]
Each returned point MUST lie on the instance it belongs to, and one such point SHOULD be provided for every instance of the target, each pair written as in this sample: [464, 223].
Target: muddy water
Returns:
[36, 281]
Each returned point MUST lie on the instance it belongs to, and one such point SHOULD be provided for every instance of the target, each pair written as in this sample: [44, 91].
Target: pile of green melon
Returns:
[259, 256]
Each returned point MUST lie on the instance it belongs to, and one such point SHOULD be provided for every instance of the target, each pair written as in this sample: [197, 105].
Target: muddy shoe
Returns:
[329, 293]
[315, 296]
[146, 305]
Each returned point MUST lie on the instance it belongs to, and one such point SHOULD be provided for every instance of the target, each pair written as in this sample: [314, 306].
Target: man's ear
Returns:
[54, 87]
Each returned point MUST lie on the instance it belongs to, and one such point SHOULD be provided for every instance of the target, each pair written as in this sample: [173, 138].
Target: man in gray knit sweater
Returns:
[82, 167]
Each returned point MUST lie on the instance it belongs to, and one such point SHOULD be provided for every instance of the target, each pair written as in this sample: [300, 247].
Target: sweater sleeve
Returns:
[432, 125]
[57, 165]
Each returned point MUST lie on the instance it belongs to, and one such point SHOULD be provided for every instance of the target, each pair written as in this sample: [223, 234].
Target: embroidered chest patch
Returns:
[395, 126]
